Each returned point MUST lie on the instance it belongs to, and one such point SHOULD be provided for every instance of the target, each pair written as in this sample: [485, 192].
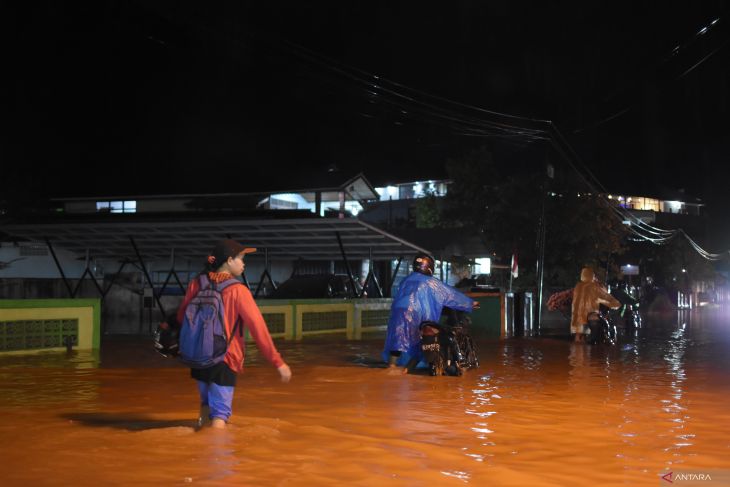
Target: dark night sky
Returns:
[166, 96]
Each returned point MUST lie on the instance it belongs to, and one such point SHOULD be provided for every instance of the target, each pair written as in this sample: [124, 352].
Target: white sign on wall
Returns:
[630, 270]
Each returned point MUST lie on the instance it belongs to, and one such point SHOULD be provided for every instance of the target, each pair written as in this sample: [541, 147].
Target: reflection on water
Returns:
[538, 411]
[76, 359]
[66, 377]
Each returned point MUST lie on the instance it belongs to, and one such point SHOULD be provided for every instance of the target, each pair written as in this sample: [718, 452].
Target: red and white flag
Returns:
[515, 268]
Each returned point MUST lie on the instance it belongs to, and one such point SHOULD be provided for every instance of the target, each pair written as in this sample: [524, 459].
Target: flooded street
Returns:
[538, 411]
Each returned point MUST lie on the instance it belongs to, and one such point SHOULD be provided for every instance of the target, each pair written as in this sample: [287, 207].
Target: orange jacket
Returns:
[239, 304]
[587, 296]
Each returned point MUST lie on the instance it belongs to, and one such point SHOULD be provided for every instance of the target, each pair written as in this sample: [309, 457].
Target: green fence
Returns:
[43, 324]
[489, 319]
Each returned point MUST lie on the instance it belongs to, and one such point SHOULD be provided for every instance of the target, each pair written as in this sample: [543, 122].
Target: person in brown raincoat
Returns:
[587, 296]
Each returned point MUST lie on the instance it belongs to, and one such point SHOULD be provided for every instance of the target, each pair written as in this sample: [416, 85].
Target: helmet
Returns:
[424, 264]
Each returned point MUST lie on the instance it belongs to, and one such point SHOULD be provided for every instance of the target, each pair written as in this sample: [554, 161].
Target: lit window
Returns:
[117, 206]
[483, 265]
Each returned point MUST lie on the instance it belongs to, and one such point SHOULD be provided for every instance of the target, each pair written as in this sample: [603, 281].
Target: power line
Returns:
[672, 55]
[479, 125]
[480, 122]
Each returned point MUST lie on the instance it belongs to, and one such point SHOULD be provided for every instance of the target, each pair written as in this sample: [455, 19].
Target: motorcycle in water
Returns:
[448, 348]
[630, 316]
[601, 329]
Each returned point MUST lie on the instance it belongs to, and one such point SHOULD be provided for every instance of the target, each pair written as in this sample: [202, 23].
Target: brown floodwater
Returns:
[538, 411]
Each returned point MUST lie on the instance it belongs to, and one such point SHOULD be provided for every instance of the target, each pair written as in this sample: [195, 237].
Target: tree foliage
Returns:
[497, 203]
[582, 231]
[503, 203]
[675, 264]
[428, 210]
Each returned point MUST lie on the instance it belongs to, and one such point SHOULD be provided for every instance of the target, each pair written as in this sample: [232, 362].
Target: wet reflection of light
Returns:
[607, 370]
[484, 414]
[674, 357]
[507, 356]
[532, 359]
[464, 476]
[482, 398]
[481, 406]
[19, 387]
[481, 414]
[78, 359]
[578, 359]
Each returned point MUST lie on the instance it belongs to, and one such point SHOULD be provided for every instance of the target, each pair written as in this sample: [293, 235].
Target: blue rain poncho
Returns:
[419, 298]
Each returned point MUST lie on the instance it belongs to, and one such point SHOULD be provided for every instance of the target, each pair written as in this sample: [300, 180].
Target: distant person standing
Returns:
[216, 383]
[420, 297]
[588, 295]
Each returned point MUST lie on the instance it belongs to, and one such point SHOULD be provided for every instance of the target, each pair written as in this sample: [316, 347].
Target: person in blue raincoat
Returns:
[420, 297]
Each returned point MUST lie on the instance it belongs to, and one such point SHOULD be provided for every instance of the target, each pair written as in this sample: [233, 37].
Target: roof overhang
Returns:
[306, 238]
[360, 189]
[355, 189]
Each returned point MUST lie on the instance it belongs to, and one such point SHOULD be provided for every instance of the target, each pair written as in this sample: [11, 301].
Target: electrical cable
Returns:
[481, 123]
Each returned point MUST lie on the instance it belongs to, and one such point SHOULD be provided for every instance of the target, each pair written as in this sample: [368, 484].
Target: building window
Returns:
[673, 206]
[387, 193]
[116, 206]
[483, 265]
[280, 204]
[405, 191]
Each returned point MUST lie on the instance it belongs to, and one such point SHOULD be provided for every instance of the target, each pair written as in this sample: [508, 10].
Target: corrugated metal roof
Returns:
[307, 238]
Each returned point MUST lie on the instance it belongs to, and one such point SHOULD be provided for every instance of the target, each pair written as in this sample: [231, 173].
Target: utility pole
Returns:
[549, 174]
[510, 271]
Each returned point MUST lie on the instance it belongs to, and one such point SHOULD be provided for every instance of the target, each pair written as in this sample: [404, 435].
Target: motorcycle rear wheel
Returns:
[437, 367]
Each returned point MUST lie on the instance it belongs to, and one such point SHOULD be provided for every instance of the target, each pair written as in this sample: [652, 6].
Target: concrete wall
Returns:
[41, 324]
[127, 308]
[15, 262]
[121, 310]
